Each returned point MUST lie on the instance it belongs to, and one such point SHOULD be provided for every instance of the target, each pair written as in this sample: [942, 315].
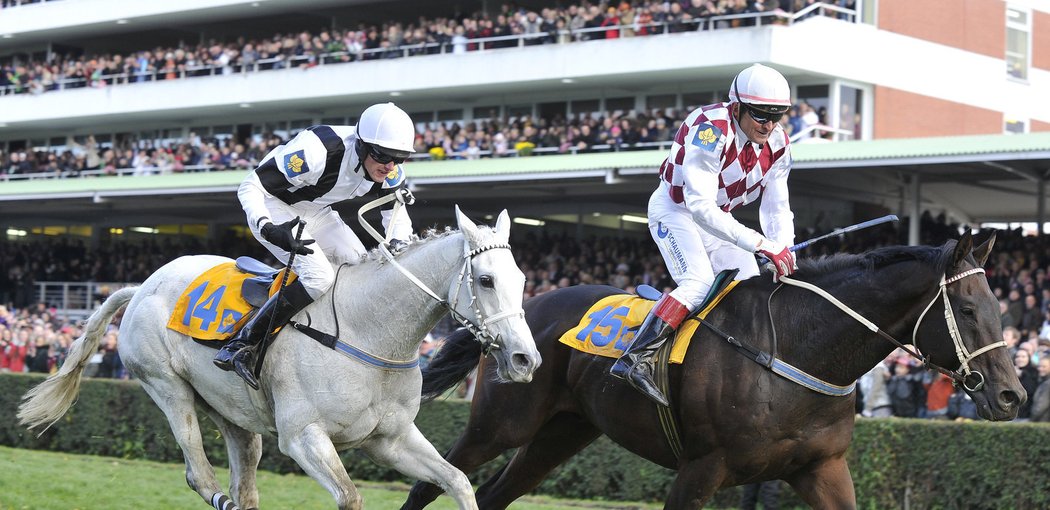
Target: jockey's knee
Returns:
[317, 280]
[691, 293]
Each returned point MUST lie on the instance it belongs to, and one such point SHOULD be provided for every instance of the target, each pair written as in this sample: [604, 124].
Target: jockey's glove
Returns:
[281, 236]
[780, 257]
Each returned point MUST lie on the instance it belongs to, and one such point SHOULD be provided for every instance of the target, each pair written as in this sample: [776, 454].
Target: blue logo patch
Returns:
[394, 177]
[707, 136]
[295, 163]
[661, 230]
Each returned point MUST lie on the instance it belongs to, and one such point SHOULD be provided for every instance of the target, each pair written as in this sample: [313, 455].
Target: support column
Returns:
[1040, 207]
[916, 210]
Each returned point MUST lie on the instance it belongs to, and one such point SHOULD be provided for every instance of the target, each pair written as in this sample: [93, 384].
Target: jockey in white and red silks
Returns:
[724, 155]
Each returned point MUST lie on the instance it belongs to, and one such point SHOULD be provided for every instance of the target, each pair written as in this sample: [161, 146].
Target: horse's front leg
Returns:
[827, 484]
[313, 450]
[412, 455]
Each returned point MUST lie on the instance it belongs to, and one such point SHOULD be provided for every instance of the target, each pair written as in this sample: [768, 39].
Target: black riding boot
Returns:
[636, 363]
[239, 354]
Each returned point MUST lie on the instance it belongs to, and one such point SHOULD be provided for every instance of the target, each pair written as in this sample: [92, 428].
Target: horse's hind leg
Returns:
[176, 398]
[313, 450]
[558, 440]
[245, 450]
[411, 454]
[827, 484]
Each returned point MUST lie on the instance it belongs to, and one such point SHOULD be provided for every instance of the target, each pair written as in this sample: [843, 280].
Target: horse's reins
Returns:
[963, 378]
[480, 328]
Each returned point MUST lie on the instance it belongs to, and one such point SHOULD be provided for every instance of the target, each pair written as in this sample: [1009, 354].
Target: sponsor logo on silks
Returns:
[707, 136]
[661, 230]
[394, 177]
[676, 253]
[295, 164]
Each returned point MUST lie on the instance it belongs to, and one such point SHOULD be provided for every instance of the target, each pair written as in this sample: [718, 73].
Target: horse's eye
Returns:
[486, 281]
[967, 311]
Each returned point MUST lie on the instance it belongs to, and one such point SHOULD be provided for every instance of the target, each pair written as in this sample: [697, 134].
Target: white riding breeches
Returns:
[335, 243]
[693, 256]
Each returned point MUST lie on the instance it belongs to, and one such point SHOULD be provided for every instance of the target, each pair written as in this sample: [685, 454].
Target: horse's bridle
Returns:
[971, 380]
[479, 327]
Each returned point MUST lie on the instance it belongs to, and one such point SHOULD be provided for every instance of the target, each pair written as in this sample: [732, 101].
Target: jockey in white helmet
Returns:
[723, 156]
[302, 179]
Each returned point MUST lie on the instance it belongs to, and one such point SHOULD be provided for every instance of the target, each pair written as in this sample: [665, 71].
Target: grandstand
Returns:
[964, 129]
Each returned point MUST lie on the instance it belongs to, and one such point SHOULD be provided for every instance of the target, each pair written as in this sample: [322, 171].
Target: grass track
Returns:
[38, 480]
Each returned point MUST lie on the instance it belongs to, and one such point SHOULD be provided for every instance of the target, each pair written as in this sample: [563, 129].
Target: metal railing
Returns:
[510, 152]
[431, 48]
[76, 300]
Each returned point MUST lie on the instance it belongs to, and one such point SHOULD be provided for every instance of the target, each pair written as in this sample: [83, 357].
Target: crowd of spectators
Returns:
[34, 338]
[392, 39]
[493, 137]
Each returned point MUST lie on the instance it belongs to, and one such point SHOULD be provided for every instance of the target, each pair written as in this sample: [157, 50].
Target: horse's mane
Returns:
[877, 258]
[414, 242]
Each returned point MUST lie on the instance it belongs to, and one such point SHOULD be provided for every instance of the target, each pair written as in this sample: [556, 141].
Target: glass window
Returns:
[447, 115]
[619, 104]
[694, 100]
[519, 111]
[1018, 33]
[584, 106]
[660, 101]
[486, 112]
[1014, 126]
[850, 105]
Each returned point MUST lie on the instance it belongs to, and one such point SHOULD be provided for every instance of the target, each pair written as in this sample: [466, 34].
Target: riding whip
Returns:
[280, 292]
[862, 225]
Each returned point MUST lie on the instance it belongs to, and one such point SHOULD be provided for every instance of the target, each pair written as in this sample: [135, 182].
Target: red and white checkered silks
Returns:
[743, 171]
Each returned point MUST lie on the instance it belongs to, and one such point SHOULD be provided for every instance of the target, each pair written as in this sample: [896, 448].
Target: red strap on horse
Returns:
[671, 311]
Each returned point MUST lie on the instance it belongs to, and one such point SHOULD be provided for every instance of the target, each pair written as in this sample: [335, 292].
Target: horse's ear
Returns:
[469, 229]
[982, 252]
[962, 249]
[503, 227]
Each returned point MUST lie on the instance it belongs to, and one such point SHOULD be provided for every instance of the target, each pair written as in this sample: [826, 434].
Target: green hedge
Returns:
[895, 463]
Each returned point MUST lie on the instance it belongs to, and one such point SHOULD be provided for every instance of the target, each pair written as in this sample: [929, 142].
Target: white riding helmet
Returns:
[387, 128]
[762, 88]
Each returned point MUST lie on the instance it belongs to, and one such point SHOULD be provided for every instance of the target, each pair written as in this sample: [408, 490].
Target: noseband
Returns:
[479, 327]
[971, 380]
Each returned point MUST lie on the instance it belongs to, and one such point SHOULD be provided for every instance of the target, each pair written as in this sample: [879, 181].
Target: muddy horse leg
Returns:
[827, 485]
[696, 482]
[560, 438]
[176, 398]
[244, 449]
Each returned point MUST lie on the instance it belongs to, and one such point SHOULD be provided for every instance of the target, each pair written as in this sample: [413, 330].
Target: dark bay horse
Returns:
[739, 422]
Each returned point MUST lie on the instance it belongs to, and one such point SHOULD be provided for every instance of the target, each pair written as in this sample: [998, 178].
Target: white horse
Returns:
[314, 399]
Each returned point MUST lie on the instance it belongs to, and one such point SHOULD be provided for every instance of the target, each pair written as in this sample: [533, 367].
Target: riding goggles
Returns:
[762, 117]
[377, 153]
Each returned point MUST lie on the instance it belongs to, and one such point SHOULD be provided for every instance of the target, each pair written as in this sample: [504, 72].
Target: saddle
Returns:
[609, 326]
[221, 300]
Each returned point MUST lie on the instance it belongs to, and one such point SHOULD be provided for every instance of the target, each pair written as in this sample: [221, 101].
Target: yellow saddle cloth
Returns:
[609, 326]
[212, 307]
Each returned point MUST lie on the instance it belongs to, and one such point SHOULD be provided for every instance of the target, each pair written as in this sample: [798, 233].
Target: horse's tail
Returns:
[47, 402]
[458, 355]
